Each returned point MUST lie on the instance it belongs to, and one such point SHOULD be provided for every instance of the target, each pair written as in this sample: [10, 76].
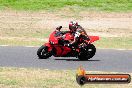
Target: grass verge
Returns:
[13, 42]
[108, 42]
[41, 78]
[97, 5]
[115, 42]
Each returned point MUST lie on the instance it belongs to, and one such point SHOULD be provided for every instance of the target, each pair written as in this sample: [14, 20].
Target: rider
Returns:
[77, 32]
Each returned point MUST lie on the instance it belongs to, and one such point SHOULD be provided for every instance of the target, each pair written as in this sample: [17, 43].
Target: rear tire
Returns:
[87, 53]
[43, 52]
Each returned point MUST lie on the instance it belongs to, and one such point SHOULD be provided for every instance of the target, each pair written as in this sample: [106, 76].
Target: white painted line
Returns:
[114, 49]
[30, 46]
[46, 69]
[97, 48]
[4, 45]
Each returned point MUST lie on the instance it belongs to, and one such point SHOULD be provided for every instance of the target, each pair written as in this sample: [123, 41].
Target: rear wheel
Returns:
[43, 52]
[87, 52]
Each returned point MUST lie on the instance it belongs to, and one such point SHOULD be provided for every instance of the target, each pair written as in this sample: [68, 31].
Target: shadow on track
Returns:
[76, 60]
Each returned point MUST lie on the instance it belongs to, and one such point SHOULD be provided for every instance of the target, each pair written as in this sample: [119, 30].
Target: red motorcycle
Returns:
[84, 49]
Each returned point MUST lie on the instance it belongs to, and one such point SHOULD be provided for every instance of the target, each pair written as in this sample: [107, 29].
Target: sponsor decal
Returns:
[83, 78]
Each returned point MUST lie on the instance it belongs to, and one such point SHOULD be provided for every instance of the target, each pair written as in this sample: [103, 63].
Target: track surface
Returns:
[104, 60]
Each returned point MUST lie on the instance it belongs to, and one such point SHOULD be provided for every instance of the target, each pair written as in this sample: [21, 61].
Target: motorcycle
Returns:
[56, 46]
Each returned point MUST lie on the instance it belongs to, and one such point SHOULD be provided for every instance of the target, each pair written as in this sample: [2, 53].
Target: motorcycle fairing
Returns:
[63, 50]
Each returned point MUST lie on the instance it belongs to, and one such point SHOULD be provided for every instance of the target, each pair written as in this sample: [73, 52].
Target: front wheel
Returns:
[43, 52]
[87, 52]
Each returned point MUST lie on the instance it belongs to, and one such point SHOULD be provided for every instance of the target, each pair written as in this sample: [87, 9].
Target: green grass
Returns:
[14, 42]
[99, 5]
[25, 32]
[41, 78]
[115, 42]
[108, 42]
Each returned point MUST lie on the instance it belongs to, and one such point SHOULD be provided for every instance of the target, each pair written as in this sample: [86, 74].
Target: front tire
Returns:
[43, 52]
[87, 53]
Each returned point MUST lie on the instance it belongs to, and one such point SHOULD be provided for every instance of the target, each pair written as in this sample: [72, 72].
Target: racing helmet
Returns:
[73, 25]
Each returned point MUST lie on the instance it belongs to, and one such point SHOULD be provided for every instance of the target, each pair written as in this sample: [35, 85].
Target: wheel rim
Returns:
[44, 52]
[89, 52]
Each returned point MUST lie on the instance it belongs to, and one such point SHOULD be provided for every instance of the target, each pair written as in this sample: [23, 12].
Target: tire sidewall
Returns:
[40, 50]
[92, 53]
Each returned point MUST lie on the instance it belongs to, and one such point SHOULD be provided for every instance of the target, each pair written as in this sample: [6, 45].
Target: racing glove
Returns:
[58, 28]
[68, 45]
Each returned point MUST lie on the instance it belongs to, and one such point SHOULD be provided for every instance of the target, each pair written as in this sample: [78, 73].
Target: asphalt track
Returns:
[104, 60]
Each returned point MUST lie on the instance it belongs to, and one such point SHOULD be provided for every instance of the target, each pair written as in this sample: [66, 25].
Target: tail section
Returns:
[93, 38]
